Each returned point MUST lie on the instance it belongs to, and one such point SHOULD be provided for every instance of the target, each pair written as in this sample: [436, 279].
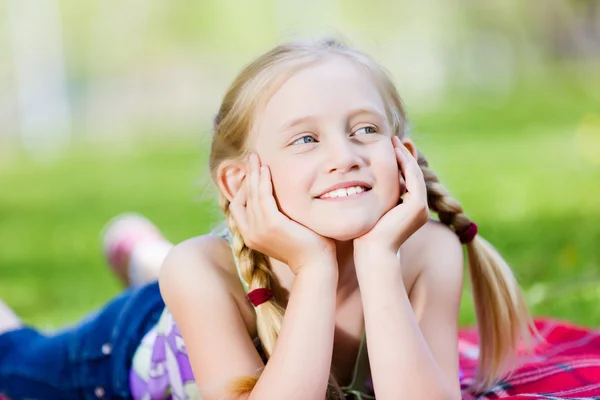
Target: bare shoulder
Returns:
[203, 263]
[206, 247]
[197, 287]
[433, 239]
[191, 265]
[200, 256]
[433, 249]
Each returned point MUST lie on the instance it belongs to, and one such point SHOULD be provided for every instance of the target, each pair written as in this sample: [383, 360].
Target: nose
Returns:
[342, 155]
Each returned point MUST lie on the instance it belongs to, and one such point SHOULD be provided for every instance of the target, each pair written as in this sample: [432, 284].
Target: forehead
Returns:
[333, 86]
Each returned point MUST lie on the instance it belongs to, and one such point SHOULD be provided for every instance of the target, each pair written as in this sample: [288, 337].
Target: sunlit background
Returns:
[106, 106]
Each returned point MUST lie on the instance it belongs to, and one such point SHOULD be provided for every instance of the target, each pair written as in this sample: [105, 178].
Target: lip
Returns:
[344, 185]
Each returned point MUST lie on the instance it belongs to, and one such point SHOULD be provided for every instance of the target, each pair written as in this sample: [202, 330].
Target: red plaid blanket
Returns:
[566, 367]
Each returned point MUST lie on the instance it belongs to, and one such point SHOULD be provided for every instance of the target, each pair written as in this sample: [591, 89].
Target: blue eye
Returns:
[302, 141]
[367, 129]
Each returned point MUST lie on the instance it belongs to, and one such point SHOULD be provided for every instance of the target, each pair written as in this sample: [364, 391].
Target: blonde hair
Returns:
[502, 315]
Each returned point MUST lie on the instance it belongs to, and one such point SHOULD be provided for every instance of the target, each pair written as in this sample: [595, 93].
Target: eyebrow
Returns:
[298, 121]
[366, 110]
[352, 114]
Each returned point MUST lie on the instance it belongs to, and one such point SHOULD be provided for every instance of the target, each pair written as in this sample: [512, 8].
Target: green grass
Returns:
[524, 168]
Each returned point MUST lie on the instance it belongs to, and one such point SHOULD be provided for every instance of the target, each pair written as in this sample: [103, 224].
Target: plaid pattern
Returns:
[567, 366]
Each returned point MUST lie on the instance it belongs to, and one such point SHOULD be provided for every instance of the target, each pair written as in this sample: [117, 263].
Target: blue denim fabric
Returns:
[87, 361]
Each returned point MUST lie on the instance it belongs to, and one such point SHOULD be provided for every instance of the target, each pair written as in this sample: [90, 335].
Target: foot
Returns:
[134, 248]
[8, 319]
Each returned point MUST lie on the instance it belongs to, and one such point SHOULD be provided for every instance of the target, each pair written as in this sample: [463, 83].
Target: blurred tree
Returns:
[571, 29]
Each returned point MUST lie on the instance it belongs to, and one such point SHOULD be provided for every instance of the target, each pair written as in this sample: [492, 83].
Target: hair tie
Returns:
[259, 296]
[468, 234]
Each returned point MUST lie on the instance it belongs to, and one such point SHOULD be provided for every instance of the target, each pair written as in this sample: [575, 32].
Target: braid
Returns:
[255, 269]
[502, 315]
[449, 210]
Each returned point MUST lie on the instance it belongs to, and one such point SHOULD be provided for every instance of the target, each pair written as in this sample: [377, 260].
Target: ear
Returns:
[230, 176]
[410, 146]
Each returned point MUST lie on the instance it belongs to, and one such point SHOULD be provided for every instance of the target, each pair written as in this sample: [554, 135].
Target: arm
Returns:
[218, 344]
[413, 347]
[300, 365]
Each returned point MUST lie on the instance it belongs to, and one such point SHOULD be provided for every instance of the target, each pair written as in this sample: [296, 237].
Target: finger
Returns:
[251, 197]
[249, 173]
[248, 200]
[269, 207]
[402, 187]
[396, 142]
[253, 183]
[255, 177]
[241, 196]
[405, 150]
[402, 184]
[238, 211]
[418, 181]
[402, 161]
[411, 171]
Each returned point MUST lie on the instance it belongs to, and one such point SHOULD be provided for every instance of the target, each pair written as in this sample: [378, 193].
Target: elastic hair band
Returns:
[259, 296]
[468, 234]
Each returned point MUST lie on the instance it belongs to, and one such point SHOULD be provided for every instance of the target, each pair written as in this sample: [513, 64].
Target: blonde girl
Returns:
[330, 279]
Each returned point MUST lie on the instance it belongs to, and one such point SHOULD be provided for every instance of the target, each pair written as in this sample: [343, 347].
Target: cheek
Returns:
[289, 189]
[389, 180]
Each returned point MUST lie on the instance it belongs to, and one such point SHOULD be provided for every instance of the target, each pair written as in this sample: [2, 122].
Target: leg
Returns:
[33, 365]
[88, 360]
[135, 248]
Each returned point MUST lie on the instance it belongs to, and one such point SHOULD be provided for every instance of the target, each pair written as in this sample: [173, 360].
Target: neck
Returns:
[347, 282]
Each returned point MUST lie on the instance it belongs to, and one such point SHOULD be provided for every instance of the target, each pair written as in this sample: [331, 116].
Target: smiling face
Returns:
[326, 125]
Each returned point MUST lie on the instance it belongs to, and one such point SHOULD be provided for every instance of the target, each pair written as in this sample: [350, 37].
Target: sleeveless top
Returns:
[161, 368]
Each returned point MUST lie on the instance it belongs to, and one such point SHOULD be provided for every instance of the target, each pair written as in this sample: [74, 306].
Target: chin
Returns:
[344, 232]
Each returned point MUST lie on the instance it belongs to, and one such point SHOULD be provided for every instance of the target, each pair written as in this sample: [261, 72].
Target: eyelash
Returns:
[310, 136]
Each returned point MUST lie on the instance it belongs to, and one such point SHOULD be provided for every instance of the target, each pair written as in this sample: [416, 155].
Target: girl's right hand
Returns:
[267, 230]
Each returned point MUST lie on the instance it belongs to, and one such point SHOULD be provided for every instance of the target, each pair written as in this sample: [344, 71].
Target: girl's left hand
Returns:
[398, 224]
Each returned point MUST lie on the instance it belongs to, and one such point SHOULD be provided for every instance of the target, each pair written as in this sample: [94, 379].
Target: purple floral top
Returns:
[161, 368]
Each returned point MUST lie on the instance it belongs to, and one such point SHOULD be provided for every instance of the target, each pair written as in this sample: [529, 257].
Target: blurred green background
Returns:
[106, 107]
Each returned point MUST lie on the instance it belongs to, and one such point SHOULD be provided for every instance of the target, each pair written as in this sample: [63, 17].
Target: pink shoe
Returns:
[8, 319]
[120, 235]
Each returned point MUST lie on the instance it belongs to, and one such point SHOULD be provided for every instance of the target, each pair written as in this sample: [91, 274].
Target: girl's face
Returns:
[326, 125]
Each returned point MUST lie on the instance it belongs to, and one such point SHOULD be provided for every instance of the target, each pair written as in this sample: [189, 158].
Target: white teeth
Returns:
[344, 192]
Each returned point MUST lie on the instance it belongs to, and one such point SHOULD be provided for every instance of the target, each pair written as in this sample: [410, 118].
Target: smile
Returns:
[350, 192]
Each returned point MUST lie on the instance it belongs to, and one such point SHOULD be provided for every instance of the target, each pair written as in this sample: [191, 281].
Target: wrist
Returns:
[377, 265]
[371, 255]
[320, 268]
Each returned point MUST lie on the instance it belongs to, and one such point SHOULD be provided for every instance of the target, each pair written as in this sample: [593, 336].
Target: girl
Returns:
[327, 209]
